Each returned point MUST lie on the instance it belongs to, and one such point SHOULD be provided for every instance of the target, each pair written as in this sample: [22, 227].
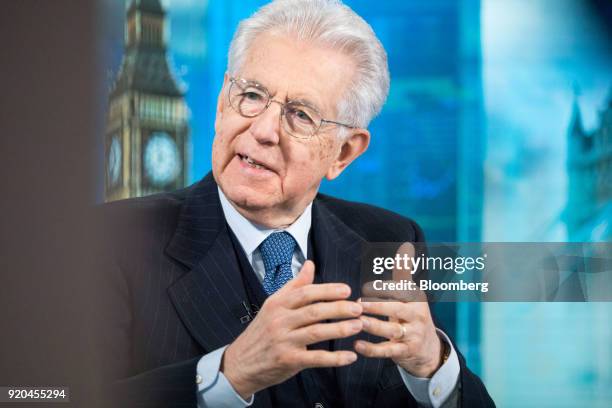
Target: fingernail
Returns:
[356, 324]
[365, 322]
[356, 309]
[343, 290]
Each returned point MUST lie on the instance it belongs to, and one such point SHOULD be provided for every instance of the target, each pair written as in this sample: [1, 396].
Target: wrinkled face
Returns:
[288, 170]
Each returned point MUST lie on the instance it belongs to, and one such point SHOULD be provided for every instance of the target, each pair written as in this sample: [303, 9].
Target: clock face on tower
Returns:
[162, 162]
[113, 167]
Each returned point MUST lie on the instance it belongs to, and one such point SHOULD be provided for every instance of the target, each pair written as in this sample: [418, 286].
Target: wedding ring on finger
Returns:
[403, 332]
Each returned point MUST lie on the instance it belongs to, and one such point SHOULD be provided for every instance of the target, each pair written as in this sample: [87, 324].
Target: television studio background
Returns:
[498, 128]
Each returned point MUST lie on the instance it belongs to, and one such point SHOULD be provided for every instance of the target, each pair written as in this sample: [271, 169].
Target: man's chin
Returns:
[248, 197]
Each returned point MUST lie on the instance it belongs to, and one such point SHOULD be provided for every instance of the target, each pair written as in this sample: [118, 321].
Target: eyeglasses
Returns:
[298, 119]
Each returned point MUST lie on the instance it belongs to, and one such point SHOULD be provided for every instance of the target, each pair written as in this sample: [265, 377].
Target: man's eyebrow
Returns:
[302, 100]
[307, 103]
[254, 82]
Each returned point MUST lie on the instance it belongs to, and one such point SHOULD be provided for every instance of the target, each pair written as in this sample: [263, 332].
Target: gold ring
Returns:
[404, 332]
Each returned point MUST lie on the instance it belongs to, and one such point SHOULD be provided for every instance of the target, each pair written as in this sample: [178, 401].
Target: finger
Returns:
[316, 333]
[405, 250]
[323, 358]
[401, 287]
[393, 310]
[386, 349]
[304, 277]
[390, 290]
[381, 328]
[305, 295]
[317, 312]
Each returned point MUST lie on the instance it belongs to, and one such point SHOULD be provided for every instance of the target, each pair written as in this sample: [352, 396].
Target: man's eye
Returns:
[252, 96]
[301, 115]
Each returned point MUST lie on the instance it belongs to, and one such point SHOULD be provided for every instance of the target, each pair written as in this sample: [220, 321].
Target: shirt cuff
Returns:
[214, 390]
[434, 391]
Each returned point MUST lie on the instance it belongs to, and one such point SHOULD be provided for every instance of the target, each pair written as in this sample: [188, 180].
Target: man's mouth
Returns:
[251, 162]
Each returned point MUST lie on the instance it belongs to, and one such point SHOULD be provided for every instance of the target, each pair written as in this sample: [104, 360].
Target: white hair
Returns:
[330, 23]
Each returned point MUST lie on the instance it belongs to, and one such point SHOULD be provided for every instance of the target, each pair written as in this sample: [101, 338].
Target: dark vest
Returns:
[304, 389]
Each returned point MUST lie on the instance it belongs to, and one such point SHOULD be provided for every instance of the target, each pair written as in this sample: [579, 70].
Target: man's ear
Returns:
[352, 147]
[221, 102]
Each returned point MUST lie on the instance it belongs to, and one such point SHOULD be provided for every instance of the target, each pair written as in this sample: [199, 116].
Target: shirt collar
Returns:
[251, 235]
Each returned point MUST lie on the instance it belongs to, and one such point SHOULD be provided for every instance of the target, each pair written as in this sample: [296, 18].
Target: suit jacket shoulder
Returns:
[373, 224]
[142, 211]
[131, 224]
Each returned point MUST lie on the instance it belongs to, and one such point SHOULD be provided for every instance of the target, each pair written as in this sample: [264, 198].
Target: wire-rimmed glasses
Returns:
[298, 118]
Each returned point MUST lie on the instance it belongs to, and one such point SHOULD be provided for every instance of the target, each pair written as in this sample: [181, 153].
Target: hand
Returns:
[413, 342]
[416, 348]
[273, 346]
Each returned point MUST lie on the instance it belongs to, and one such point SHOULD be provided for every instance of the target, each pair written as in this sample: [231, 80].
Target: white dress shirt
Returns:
[214, 390]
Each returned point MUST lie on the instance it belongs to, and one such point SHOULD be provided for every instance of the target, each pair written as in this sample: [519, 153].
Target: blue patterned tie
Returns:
[277, 252]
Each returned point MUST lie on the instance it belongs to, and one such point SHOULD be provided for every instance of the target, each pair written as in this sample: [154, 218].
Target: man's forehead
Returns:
[297, 70]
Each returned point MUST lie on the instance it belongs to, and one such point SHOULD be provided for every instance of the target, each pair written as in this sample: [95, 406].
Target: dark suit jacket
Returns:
[171, 291]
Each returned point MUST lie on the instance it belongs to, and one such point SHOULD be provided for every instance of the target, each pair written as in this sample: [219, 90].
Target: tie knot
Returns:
[277, 250]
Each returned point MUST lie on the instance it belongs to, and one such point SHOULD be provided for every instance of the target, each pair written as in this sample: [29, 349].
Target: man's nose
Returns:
[266, 127]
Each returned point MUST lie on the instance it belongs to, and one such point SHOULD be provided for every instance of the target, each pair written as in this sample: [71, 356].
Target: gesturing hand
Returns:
[413, 342]
[273, 346]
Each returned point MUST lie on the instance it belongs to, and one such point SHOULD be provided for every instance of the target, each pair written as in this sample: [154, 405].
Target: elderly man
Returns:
[242, 289]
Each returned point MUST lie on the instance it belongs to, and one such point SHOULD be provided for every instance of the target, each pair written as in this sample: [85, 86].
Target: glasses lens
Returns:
[247, 99]
[300, 120]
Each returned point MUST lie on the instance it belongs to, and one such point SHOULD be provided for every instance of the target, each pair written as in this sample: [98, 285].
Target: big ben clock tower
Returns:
[147, 135]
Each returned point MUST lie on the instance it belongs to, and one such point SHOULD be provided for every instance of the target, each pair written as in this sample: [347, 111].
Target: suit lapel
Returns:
[338, 252]
[209, 297]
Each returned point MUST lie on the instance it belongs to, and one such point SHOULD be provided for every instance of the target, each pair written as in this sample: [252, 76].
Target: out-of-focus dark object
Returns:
[49, 113]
